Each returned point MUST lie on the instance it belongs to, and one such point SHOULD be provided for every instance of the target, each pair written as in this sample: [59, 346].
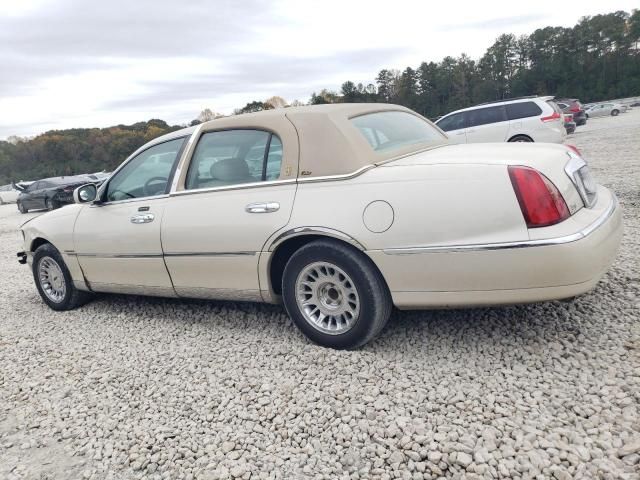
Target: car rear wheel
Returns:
[614, 113]
[53, 280]
[520, 138]
[21, 208]
[335, 295]
[51, 204]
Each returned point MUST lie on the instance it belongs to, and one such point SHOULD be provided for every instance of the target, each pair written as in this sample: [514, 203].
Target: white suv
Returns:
[530, 119]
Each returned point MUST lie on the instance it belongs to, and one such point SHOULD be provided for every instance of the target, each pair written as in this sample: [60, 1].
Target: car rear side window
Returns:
[234, 157]
[387, 131]
[522, 110]
[484, 116]
[452, 122]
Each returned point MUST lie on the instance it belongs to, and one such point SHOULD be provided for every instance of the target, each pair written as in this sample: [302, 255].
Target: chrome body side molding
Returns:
[510, 245]
[160, 255]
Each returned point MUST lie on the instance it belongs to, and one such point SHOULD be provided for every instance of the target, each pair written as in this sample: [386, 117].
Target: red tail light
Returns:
[540, 201]
[550, 118]
[575, 108]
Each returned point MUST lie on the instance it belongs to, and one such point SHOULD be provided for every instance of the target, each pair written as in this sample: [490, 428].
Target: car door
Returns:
[117, 239]
[454, 125]
[487, 124]
[29, 200]
[232, 201]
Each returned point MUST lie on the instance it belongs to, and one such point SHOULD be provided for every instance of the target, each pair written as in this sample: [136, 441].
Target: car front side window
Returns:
[147, 174]
[234, 157]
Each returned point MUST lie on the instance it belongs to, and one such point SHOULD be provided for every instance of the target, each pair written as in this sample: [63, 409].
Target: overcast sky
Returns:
[67, 63]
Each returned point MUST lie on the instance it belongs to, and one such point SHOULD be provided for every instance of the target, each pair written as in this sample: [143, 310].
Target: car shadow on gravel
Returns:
[411, 331]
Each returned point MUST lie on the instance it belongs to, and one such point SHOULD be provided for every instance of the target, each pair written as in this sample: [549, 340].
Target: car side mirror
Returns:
[85, 194]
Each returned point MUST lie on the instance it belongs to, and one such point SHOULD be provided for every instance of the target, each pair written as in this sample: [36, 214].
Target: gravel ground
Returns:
[131, 387]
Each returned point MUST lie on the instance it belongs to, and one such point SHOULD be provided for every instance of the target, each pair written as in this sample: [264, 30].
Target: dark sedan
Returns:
[50, 193]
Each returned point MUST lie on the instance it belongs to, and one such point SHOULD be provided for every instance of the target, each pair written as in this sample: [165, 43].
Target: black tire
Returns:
[521, 138]
[373, 294]
[614, 112]
[21, 208]
[72, 297]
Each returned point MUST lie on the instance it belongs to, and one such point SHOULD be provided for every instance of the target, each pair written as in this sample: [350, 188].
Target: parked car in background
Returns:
[604, 109]
[50, 193]
[340, 212]
[528, 119]
[573, 106]
[97, 177]
[8, 194]
[569, 123]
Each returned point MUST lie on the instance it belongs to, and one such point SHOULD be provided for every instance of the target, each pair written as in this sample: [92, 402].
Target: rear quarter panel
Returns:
[433, 205]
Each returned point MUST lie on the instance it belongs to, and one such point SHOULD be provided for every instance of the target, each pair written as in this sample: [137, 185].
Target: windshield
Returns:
[388, 131]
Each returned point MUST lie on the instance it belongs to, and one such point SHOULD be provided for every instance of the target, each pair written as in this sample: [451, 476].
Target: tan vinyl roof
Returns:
[329, 144]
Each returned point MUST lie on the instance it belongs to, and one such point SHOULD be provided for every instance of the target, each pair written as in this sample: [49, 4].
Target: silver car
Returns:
[604, 109]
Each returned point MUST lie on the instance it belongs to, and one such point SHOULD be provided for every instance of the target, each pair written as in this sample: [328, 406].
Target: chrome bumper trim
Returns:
[512, 245]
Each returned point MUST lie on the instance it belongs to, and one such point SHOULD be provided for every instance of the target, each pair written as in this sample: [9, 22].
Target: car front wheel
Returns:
[335, 295]
[614, 113]
[21, 208]
[53, 280]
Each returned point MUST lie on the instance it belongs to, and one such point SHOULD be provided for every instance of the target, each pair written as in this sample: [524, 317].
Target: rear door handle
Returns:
[145, 218]
[262, 207]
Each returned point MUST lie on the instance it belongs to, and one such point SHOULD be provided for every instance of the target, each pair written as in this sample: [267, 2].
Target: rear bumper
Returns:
[501, 273]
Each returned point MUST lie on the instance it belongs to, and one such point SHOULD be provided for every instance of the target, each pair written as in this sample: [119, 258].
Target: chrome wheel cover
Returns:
[327, 298]
[52, 279]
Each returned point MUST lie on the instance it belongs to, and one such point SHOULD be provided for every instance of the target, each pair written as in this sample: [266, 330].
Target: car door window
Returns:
[484, 116]
[147, 174]
[233, 157]
[452, 122]
[34, 186]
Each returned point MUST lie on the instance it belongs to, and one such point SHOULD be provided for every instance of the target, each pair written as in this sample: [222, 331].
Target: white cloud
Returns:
[122, 62]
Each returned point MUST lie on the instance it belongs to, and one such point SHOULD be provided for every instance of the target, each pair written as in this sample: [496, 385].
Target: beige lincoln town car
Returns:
[338, 211]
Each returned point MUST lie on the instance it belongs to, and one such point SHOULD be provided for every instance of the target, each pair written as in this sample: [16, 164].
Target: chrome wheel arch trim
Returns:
[314, 230]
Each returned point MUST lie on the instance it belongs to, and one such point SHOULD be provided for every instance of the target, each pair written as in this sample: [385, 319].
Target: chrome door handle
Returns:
[262, 207]
[146, 218]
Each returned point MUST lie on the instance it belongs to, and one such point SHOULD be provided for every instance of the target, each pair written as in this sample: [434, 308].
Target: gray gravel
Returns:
[131, 387]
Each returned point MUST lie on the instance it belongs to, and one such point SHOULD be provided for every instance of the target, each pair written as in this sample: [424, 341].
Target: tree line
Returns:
[598, 58]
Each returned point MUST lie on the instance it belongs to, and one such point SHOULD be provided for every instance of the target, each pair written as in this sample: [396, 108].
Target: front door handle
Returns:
[145, 218]
[262, 207]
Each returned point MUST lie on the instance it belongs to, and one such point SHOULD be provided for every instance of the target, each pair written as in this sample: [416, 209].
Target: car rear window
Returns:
[387, 131]
[522, 110]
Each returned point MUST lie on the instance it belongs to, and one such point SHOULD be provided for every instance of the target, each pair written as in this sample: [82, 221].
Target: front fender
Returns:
[56, 227]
